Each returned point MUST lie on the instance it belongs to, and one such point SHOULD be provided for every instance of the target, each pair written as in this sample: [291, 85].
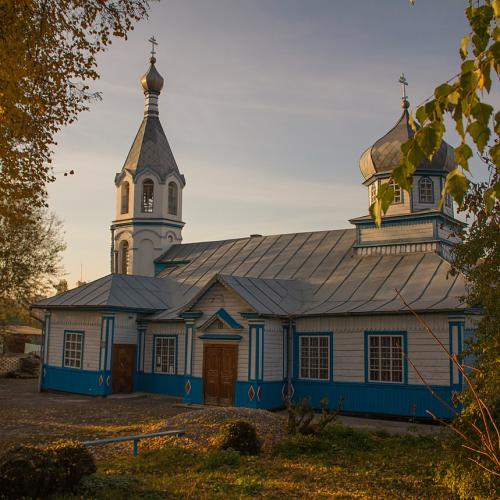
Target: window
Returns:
[315, 357]
[425, 190]
[398, 194]
[165, 355]
[147, 196]
[448, 201]
[125, 191]
[124, 258]
[372, 192]
[172, 198]
[385, 358]
[73, 350]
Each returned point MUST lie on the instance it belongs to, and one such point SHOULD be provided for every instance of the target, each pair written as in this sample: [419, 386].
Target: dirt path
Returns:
[29, 416]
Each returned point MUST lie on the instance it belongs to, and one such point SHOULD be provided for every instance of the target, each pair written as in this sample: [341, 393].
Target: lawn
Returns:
[341, 463]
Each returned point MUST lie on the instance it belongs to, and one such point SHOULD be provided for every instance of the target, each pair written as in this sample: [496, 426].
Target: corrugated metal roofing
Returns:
[119, 291]
[314, 273]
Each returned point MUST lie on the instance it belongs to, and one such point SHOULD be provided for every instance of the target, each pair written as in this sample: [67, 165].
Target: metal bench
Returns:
[135, 439]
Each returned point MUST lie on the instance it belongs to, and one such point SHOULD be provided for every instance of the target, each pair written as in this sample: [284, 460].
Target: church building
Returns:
[252, 321]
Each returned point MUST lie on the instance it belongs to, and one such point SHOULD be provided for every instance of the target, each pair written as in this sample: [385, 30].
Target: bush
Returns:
[71, 462]
[239, 435]
[301, 417]
[302, 444]
[34, 471]
[23, 473]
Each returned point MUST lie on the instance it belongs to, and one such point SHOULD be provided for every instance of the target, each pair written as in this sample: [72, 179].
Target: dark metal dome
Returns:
[385, 154]
[152, 81]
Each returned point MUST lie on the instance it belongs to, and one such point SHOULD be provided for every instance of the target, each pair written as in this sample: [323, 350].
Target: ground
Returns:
[345, 463]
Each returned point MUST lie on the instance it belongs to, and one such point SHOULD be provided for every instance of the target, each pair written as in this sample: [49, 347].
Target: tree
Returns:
[468, 468]
[462, 99]
[30, 259]
[48, 50]
[62, 286]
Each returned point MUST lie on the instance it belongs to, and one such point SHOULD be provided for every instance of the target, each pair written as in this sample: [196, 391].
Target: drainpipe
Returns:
[289, 361]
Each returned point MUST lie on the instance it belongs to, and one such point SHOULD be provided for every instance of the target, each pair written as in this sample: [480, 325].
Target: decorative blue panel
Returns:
[92, 383]
[171, 385]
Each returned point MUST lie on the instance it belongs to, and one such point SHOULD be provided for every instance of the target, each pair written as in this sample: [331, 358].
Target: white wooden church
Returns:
[250, 321]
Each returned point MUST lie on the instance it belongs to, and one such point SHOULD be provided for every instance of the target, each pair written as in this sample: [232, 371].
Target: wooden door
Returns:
[219, 374]
[123, 368]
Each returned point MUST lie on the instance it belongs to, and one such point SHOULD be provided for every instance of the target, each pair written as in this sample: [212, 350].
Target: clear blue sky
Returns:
[267, 106]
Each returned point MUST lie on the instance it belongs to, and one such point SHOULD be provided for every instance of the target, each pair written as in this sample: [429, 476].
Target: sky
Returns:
[267, 105]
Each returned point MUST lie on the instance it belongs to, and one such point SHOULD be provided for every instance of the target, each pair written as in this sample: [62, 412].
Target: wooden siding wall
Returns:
[125, 329]
[164, 329]
[90, 323]
[273, 350]
[216, 297]
[414, 231]
[348, 344]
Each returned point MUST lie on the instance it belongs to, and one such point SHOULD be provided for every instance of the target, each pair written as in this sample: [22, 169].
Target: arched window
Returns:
[425, 190]
[172, 198]
[125, 192]
[124, 258]
[398, 194]
[148, 188]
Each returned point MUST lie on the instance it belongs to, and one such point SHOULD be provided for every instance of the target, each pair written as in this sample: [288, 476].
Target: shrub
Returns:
[34, 471]
[301, 444]
[71, 461]
[239, 435]
[23, 473]
[301, 417]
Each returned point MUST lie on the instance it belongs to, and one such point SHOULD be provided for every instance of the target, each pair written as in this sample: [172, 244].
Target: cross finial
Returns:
[153, 43]
[404, 83]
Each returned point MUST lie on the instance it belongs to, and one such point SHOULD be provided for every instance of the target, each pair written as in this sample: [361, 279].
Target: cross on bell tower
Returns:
[404, 98]
[153, 43]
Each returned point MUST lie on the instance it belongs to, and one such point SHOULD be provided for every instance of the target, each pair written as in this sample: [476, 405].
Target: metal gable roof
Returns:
[301, 274]
[118, 291]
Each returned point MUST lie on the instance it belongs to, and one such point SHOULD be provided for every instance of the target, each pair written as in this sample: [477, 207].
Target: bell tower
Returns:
[148, 209]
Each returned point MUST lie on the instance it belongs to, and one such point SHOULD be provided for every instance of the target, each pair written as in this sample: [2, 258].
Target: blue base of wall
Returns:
[172, 385]
[266, 395]
[387, 399]
[92, 383]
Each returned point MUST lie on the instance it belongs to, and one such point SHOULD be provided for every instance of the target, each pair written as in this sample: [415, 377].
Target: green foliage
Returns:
[32, 471]
[330, 440]
[109, 487]
[461, 99]
[239, 435]
[464, 477]
[215, 459]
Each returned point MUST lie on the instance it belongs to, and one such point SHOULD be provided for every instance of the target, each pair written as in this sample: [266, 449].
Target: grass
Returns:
[341, 463]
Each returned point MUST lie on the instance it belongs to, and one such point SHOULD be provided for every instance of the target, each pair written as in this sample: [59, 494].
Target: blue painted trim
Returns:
[401, 333]
[153, 364]
[75, 380]
[214, 336]
[191, 315]
[296, 356]
[223, 316]
[111, 342]
[160, 383]
[79, 332]
[250, 353]
[407, 219]
[460, 324]
[186, 334]
[147, 222]
[250, 315]
[377, 398]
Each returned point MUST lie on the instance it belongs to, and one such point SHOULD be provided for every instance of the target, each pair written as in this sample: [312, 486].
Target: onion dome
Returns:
[152, 81]
[385, 154]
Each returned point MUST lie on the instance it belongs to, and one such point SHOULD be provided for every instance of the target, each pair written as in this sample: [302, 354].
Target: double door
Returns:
[219, 374]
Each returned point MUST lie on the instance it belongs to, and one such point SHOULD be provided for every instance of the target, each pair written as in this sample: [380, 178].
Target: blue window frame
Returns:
[165, 354]
[73, 349]
[385, 357]
[313, 356]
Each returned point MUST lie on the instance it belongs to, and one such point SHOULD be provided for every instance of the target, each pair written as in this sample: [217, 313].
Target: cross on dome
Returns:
[404, 83]
[153, 43]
